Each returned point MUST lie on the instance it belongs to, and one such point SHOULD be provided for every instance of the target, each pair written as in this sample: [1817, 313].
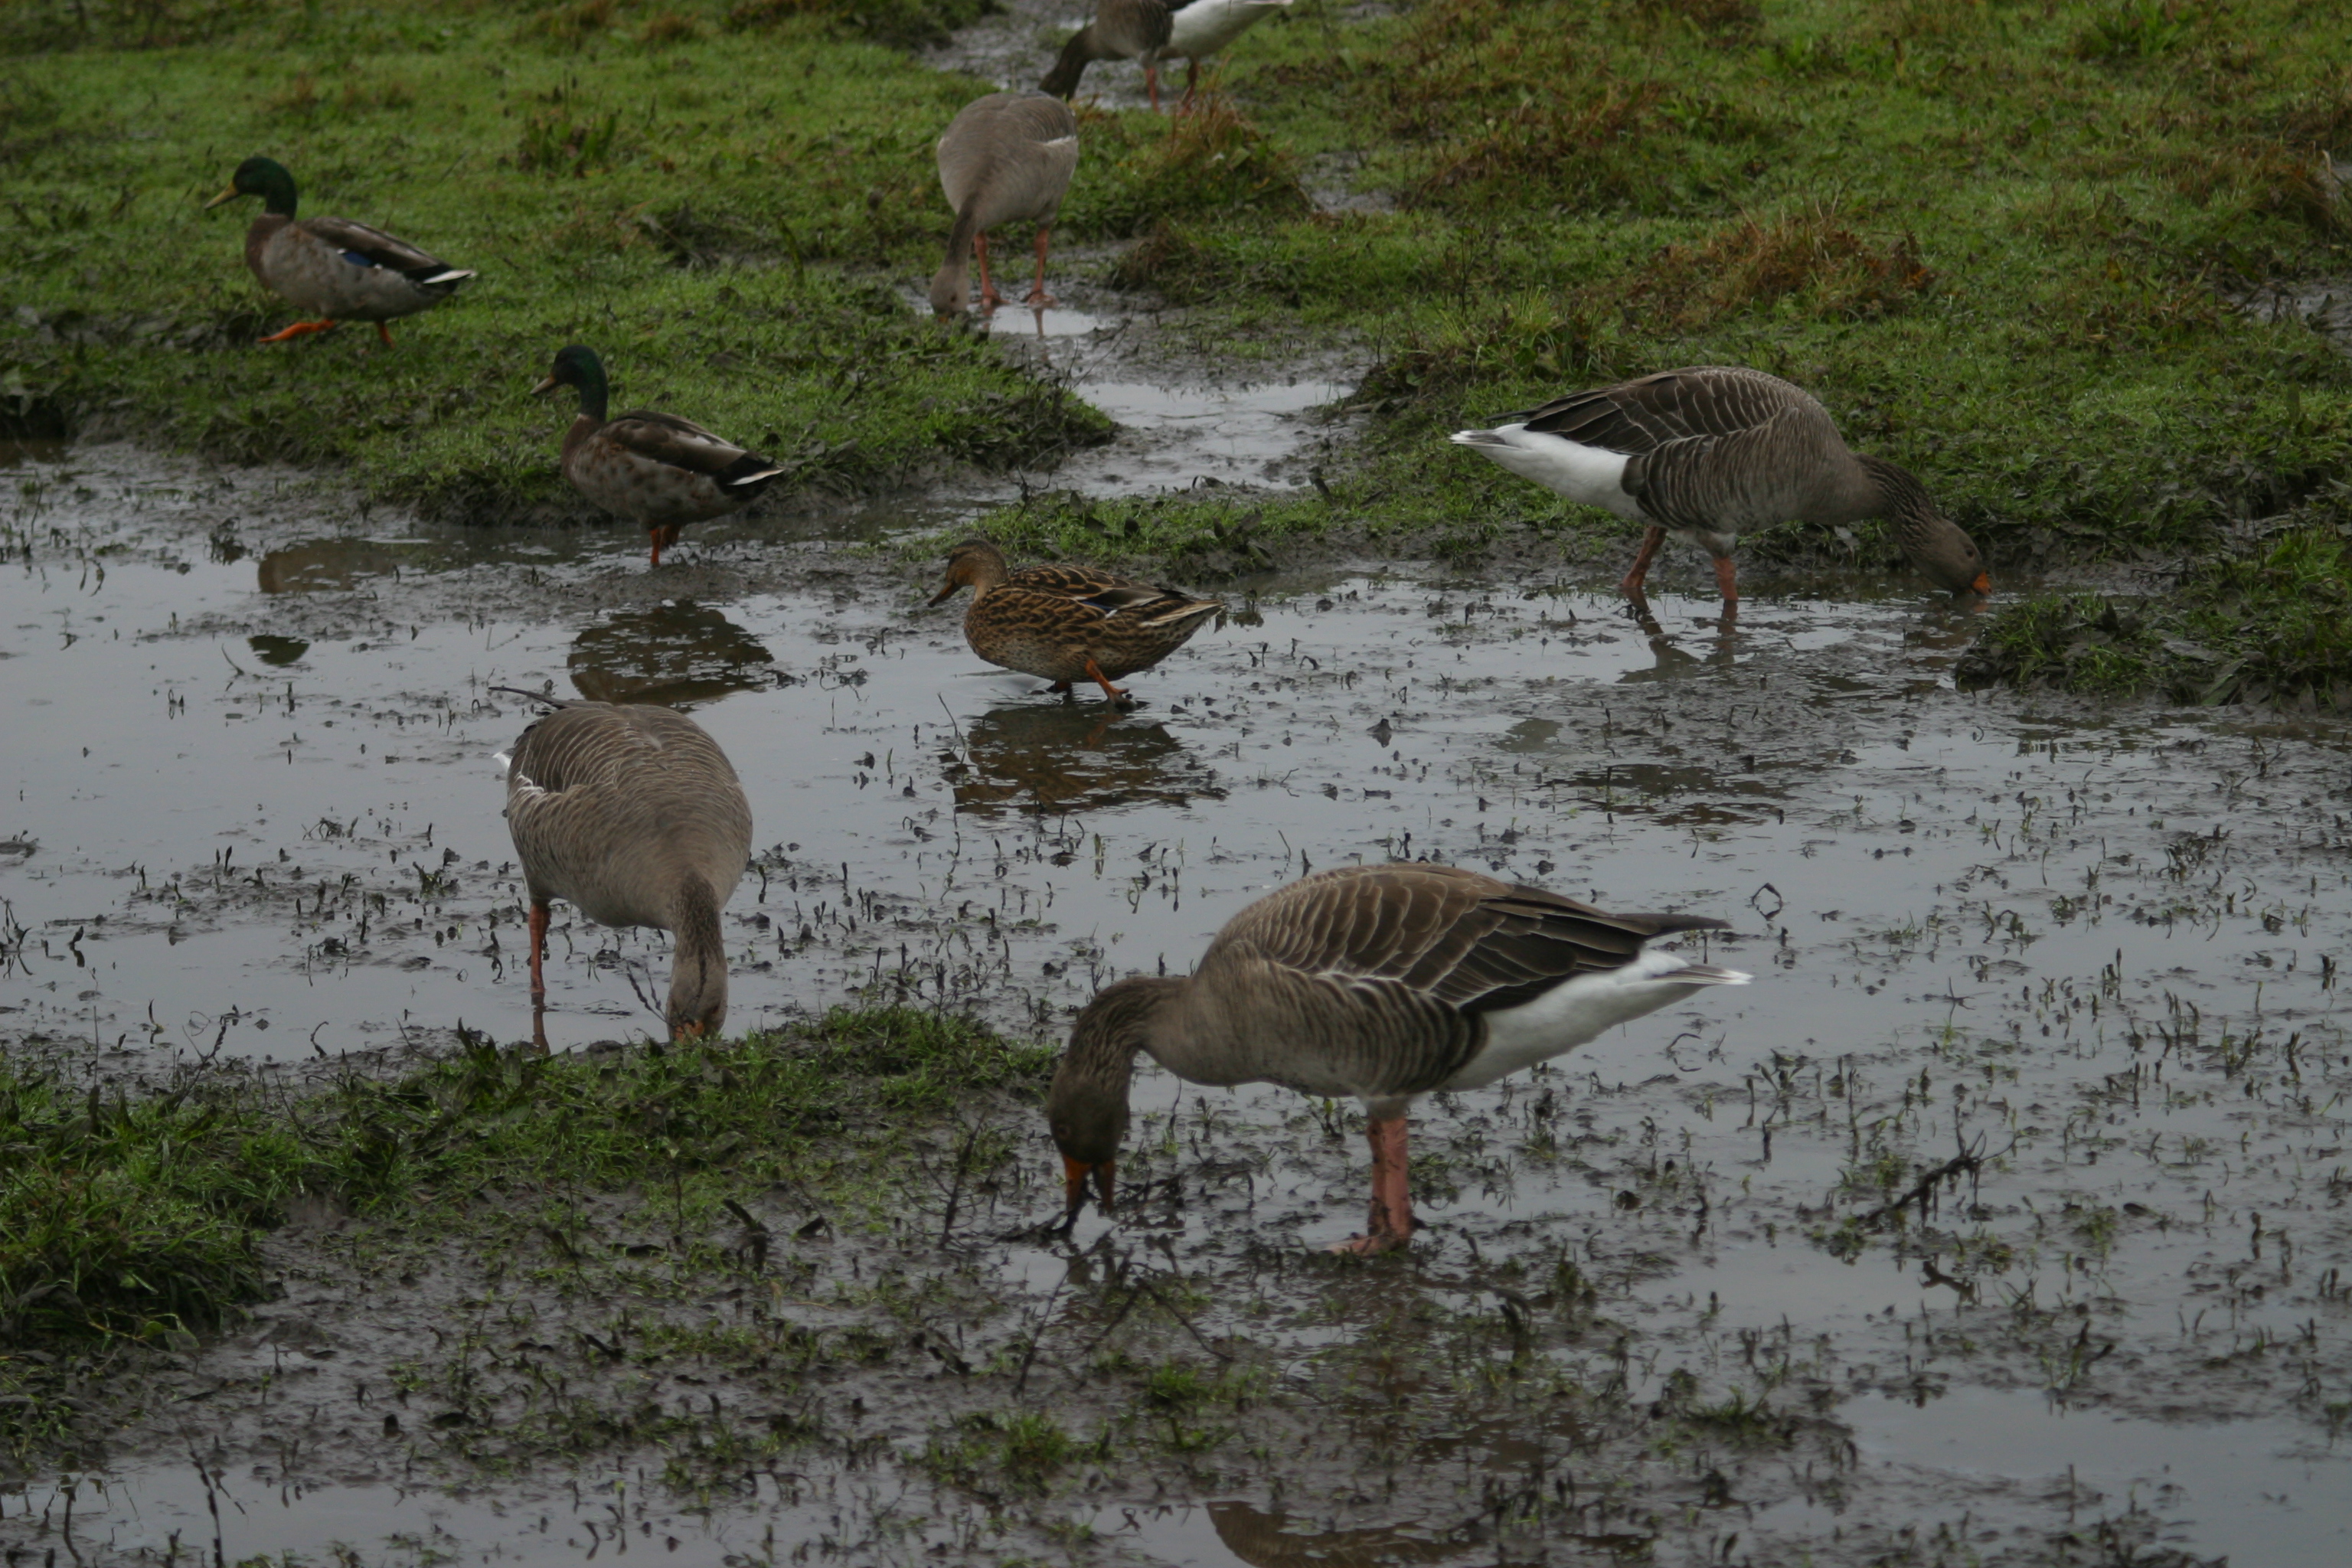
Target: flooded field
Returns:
[2003, 1219]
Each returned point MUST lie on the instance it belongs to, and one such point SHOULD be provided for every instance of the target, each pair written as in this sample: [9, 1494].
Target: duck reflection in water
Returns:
[1033, 757]
[675, 654]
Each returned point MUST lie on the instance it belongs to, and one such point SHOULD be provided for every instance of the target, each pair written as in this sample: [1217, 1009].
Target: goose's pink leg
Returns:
[1641, 559]
[1037, 295]
[988, 294]
[1151, 84]
[538, 947]
[1726, 579]
[1390, 1224]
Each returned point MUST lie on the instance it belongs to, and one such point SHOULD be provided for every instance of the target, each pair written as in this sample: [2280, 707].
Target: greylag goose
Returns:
[1205, 27]
[1380, 982]
[1005, 158]
[1068, 623]
[1715, 451]
[337, 269]
[657, 470]
[1122, 30]
[634, 815]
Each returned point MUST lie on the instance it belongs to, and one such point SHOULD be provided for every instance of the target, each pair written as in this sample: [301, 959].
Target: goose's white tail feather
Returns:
[1568, 1016]
[1593, 475]
[505, 760]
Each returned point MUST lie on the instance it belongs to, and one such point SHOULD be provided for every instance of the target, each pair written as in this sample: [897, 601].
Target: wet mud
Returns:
[2001, 1220]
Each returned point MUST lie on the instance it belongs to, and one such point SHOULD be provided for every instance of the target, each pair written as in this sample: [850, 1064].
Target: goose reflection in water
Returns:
[1268, 1540]
[1059, 758]
[329, 565]
[675, 654]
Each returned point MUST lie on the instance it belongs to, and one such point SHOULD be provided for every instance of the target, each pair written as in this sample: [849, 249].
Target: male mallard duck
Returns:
[1122, 30]
[1715, 451]
[1004, 157]
[635, 816]
[343, 271]
[1205, 27]
[1066, 624]
[657, 470]
[1382, 983]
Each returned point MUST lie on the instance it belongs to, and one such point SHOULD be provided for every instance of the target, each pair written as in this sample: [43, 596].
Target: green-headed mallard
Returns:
[634, 816]
[1005, 158]
[337, 269]
[1067, 623]
[657, 470]
[1715, 451]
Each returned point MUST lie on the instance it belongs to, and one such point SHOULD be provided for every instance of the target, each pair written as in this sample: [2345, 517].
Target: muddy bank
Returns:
[2025, 1151]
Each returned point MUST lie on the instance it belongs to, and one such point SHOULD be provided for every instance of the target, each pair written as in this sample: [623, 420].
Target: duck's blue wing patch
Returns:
[357, 259]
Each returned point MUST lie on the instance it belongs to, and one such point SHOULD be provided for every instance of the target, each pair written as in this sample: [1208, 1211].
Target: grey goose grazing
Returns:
[1382, 983]
[657, 470]
[1122, 30]
[1005, 158]
[1711, 452]
[634, 815]
[337, 269]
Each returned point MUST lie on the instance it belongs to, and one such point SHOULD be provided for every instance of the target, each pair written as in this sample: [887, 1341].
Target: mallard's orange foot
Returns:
[300, 328]
[1060, 688]
[385, 332]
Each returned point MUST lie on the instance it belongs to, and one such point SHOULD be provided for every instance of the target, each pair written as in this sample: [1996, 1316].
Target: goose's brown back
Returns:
[1371, 980]
[1014, 153]
[610, 806]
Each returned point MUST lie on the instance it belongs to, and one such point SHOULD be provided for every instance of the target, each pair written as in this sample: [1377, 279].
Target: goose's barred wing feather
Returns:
[1468, 942]
[1638, 417]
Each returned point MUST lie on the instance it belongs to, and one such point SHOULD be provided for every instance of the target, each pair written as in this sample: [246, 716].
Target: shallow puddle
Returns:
[252, 809]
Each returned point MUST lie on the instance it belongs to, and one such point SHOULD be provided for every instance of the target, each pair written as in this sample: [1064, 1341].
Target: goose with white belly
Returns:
[1382, 983]
[1203, 29]
[1711, 452]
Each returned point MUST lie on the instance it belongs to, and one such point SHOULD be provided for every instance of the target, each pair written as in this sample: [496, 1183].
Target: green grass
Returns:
[136, 1219]
[2272, 625]
[1993, 237]
[720, 206]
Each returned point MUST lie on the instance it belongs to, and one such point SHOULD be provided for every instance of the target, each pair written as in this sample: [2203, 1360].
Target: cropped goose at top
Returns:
[1068, 623]
[634, 815]
[1714, 451]
[336, 270]
[1203, 29]
[656, 469]
[1382, 983]
[1122, 30]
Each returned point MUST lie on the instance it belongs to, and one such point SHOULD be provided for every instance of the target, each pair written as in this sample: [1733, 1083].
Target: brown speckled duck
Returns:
[1067, 623]
[338, 269]
[657, 470]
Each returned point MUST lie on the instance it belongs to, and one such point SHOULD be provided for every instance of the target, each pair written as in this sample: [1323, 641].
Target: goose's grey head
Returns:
[1086, 1106]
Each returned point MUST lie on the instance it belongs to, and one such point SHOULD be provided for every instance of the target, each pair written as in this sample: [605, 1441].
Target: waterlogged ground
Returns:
[2002, 1219]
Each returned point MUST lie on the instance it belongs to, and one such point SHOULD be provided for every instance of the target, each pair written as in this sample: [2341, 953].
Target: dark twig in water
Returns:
[1967, 1163]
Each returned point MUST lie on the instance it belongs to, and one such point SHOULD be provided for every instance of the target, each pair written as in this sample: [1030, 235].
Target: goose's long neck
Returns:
[1086, 1106]
[950, 284]
[697, 975]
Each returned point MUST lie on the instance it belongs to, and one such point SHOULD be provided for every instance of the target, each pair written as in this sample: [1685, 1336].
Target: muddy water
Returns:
[252, 809]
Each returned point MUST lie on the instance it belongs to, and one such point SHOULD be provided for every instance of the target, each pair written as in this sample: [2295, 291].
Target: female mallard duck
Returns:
[1122, 30]
[1066, 624]
[343, 271]
[1384, 982]
[657, 470]
[634, 815]
[1715, 451]
[1005, 157]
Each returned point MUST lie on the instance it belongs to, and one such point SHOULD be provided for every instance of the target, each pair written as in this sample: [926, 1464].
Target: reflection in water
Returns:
[1675, 661]
[1261, 1540]
[276, 650]
[1066, 757]
[675, 653]
[323, 563]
